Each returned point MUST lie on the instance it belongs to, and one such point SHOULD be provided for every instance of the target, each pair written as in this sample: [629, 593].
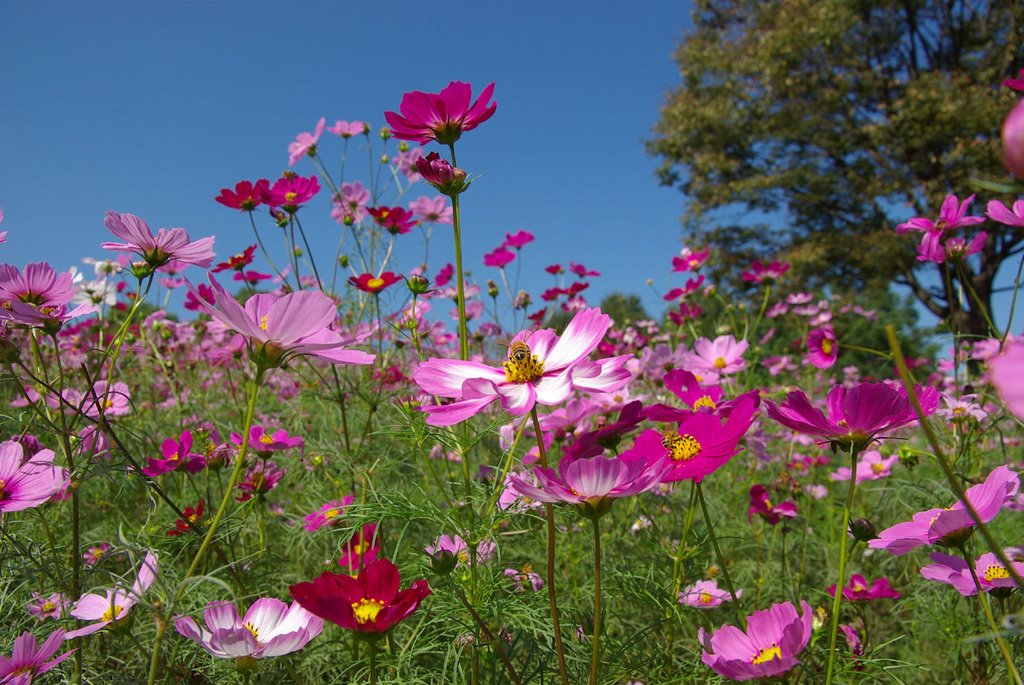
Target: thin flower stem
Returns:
[154, 663]
[721, 560]
[760, 313]
[263, 249]
[983, 599]
[373, 662]
[947, 468]
[486, 631]
[966, 279]
[843, 535]
[1013, 304]
[460, 285]
[595, 657]
[309, 254]
[549, 512]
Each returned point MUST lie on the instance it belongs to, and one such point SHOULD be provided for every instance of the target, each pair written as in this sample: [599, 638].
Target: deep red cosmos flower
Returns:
[236, 262]
[369, 283]
[247, 196]
[369, 603]
[395, 220]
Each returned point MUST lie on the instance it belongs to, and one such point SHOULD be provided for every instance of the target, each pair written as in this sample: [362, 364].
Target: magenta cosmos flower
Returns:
[29, 658]
[871, 466]
[856, 416]
[27, 484]
[328, 514]
[160, 251]
[705, 594]
[761, 272]
[952, 215]
[39, 296]
[822, 348]
[541, 368]
[955, 571]
[952, 525]
[278, 328]
[859, 591]
[369, 603]
[774, 638]
[291, 191]
[1007, 375]
[441, 116]
[269, 628]
[113, 605]
[592, 483]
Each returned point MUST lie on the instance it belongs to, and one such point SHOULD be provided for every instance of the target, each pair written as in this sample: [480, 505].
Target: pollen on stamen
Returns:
[996, 572]
[680, 447]
[704, 402]
[767, 654]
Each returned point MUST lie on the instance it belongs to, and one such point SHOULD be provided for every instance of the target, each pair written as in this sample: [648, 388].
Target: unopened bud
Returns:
[403, 146]
[343, 261]
[384, 159]
[863, 530]
[418, 285]
[385, 133]
[443, 562]
[492, 289]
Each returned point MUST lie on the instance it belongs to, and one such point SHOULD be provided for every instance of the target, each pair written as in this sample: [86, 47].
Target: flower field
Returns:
[345, 468]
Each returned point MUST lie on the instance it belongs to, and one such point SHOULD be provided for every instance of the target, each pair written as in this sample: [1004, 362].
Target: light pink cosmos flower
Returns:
[114, 604]
[347, 129]
[435, 210]
[721, 355]
[541, 368]
[961, 408]
[328, 514]
[459, 549]
[1006, 372]
[25, 484]
[259, 480]
[822, 348]
[770, 646]
[871, 466]
[952, 215]
[269, 628]
[29, 659]
[351, 206]
[955, 571]
[51, 606]
[1012, 134]
[278, 328]
[39, 296]
[997, 211]
[441, 116]
[166, 251]
[953, 524]
[705, 594]
[305, 143]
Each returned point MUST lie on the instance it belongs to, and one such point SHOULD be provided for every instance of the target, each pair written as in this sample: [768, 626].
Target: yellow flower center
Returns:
[331, 513]
[826, 346]
[263, 322]
[366, 609]
[878, 468]
[704, 402]
[996, 572]
[112, 613]
[375, 283]
[957, 411]
[290, 196]
[705, 598]
[522, 366]
[267, 439]
[720, 362]
[254, 630]
[767, 654]
[257, 481]
[2, 492]
[48, 606]
[680, 447]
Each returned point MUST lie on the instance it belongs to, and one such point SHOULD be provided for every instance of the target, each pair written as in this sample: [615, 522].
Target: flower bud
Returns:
[403, 146]
[443, 562]
[385, 133]
[492, 289]
[418, 285]
[448, 180]
[343, 261]
[863, 530]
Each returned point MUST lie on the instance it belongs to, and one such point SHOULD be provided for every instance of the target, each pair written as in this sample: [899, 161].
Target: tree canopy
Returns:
[807, 129]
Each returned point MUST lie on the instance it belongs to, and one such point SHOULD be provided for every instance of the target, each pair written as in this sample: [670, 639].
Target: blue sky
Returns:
[151, 108]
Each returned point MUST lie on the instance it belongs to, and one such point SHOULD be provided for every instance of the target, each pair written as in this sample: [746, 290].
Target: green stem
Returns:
[221, 510]
[549, 511]
[721, 560]
[843, 535]
[486, 631]
[1013, 304]
[461, 289]
[595, 661]
[983, 599]
[373, 662]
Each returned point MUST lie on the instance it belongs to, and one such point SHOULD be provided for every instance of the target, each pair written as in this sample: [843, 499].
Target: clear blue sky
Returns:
[151, 108]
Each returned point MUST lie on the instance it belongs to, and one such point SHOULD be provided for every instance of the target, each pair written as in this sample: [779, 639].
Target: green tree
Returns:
[807, 129]
[624, 309]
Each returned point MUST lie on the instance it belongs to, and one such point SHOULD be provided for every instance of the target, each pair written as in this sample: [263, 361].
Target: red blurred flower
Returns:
[236, 262]
[369, 283]
[440, 116]
[395, 220]
[247, 196]
[370, 603]
[192, 514]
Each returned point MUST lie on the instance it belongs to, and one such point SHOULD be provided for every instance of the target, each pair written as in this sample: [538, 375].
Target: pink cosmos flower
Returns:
[953, 524]
[269, 628]
[435, 210]
[1006, 372]
[51, 606]
[859, 591]
[940, 248]
[458, 548]
[591, 484]
[291, 191]
[39, 296]
[997, 211]
[705, 594]
[701, 445]
[166, 251]
[761, 272]
[524, 579]
[96, 554]
[361, 549]
[29, 659]
[952, 215]
[955, 571]
[770, 646]
[870, 466]
[761, 505]
[25, 484]
[278, 328]
[441, 116]
[541, 368]
[328, 514]
[352, 204]
[961, 408]
[518, 240]
[445, 178]
[176, 454]
[305, 143]
[347, 129]
[1012, 134]
[247, 196]
[855, 416]
[259, 480]
[499, 257]
[263, 442]
[582, 271]
[689, 260]
[822, 348]
[721, 355]
[114, 604]
[407, 162]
